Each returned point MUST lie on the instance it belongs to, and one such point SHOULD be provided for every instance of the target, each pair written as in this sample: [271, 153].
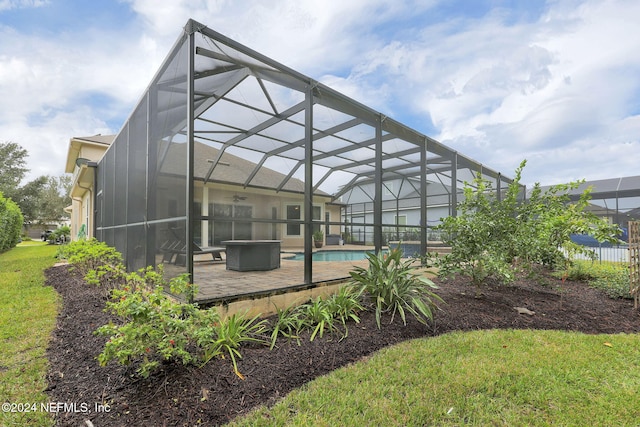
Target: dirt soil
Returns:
[180, 395]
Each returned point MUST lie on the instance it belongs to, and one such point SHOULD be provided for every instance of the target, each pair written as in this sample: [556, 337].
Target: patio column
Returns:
[151, 192]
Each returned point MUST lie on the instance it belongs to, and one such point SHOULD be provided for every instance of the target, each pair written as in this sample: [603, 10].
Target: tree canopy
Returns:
[12, 167]
[41, 200]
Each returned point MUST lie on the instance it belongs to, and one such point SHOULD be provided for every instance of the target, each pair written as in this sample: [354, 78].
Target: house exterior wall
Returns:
[83, 186]
[82, 217]
[268, 212]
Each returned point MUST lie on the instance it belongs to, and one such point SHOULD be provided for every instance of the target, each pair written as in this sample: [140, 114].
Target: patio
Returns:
[216, 283]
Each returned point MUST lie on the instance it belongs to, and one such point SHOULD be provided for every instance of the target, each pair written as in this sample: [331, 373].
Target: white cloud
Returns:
[501, 91]
[496, 87]
[21, 4]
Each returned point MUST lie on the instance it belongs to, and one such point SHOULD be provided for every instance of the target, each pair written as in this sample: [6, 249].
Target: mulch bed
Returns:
[180, 395]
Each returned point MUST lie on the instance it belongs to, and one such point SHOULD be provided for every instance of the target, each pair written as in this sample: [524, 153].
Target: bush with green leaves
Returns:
[10, 223]
[393, 287]
[96, 262]
[318, 316]
[345, 305]
[611, 278]
[60, 234]
[154, 327]
[615, 281]
[495, 236]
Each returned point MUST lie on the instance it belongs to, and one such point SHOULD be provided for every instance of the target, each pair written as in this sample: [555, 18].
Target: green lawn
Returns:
[27, 316]
[498, 378]
[510, 378]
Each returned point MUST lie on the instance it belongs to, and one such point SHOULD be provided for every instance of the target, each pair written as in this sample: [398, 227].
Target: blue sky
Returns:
[555, 82]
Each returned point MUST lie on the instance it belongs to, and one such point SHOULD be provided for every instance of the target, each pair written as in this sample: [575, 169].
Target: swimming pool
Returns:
[332, 256]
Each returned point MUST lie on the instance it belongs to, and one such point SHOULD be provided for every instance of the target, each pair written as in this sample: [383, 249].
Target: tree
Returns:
[10, 223]
[492, 236]
[28, 198]
[54, 197]
[12, 167]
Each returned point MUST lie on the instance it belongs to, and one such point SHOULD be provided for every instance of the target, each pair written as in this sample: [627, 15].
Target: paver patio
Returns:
[216, 283]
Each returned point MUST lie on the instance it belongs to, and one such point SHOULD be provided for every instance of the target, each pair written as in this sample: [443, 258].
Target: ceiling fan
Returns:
[236, 198]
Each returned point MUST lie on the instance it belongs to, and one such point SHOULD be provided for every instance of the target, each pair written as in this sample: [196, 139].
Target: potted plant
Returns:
[318, 238]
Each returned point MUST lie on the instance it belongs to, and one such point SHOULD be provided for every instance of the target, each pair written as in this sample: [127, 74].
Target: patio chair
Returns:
[171, 248]
[215, 251]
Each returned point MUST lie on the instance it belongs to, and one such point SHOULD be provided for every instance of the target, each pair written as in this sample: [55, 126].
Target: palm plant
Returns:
[228, 335]
[395, 288]
[345, 305]
[288, 323]
[318, 316]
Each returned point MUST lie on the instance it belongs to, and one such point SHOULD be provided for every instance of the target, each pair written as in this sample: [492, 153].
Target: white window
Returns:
[294, 212]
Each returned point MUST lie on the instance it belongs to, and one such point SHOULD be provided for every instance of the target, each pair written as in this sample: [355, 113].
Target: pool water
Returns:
[333, 256]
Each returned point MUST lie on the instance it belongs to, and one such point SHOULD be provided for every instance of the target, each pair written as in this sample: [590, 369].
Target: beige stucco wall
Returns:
[263, 204]
[83, 187]
[266, 306]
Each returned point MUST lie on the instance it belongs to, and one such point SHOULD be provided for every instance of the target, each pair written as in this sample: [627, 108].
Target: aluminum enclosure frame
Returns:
[216, 103]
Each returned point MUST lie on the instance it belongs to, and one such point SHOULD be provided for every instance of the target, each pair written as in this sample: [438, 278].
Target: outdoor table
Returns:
[252, 255]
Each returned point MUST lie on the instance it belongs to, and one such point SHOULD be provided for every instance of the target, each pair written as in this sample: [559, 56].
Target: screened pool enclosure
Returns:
[229, 152]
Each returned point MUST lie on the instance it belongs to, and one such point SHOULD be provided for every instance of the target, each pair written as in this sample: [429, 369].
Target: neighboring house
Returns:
[617, 200]
[222, 196]
[82, 154]
[400, 208]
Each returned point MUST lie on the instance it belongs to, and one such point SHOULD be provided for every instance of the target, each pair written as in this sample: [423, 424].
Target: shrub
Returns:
[614, 281]
[394, 288]
[345, 305]
[155, 327]
[59, 235]
[611, 278]
[318, 315]
[494, 236]
[10, 223]
[98, 263]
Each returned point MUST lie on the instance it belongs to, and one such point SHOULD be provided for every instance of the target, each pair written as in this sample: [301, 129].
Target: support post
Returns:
[377, 200]
[190, 157]
[308, 186]
[423, 200]
[454, 186]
